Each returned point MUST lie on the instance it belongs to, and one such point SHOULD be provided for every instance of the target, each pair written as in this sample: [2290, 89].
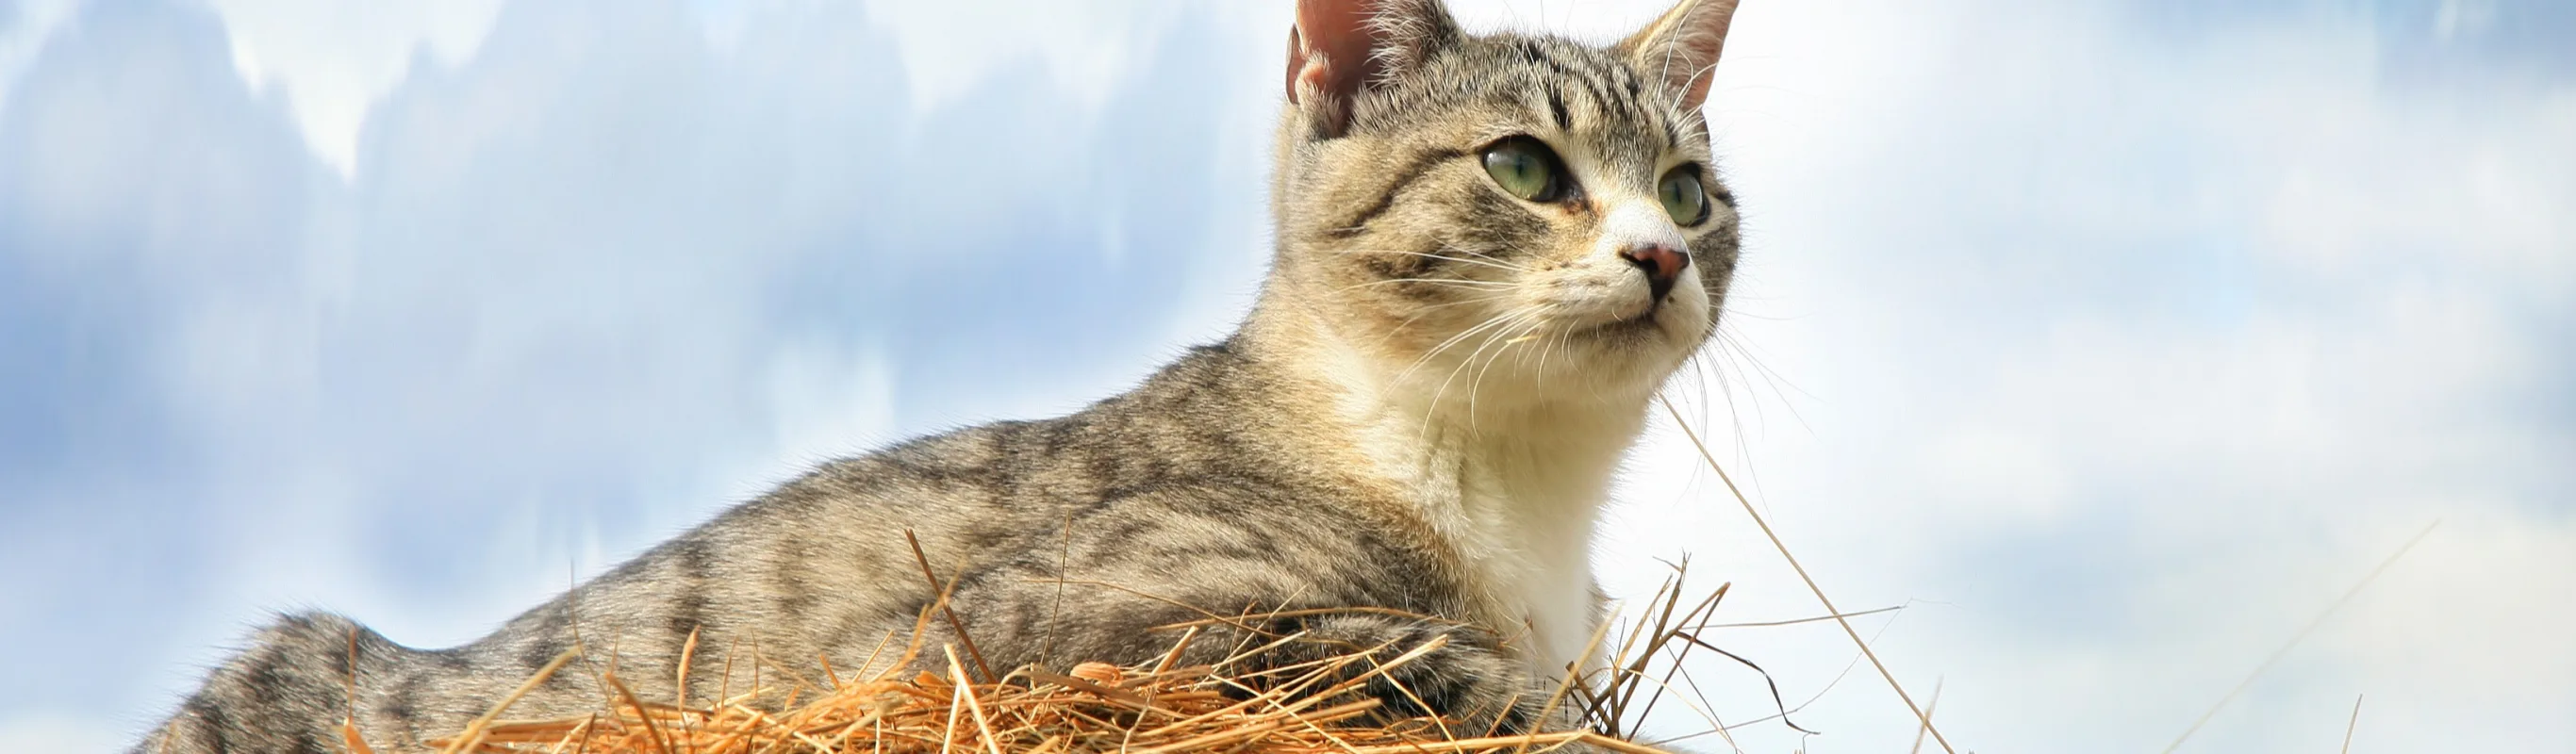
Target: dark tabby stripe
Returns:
[1413, 171]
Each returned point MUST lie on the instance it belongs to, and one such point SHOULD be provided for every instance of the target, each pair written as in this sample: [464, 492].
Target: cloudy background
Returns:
[2115, 338]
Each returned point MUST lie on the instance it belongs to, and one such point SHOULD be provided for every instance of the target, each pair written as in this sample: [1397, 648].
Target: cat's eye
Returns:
[1526, 168]
[1683, 196]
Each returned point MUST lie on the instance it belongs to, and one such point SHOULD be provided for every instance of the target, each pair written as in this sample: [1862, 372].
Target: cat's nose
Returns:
[1662, 264]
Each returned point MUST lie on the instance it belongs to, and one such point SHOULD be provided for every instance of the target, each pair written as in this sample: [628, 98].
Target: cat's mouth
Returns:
[1624, 320]
[1651, 327]
[1628, 328]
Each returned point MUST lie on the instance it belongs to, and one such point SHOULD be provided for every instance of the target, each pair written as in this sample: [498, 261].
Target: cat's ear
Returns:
[1341, 47]
[1682, 46]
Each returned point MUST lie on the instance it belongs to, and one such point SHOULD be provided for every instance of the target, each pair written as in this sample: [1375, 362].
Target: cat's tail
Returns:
[292, 690]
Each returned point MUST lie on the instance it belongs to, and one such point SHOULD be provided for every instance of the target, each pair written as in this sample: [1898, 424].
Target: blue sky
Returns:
[2117, 338]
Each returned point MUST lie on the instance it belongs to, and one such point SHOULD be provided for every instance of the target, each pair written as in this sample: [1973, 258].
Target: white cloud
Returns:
[334, 60]
[25, 27]
[1085, 48]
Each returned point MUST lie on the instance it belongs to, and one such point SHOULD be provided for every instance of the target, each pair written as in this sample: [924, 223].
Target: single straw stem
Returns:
[1836, 612]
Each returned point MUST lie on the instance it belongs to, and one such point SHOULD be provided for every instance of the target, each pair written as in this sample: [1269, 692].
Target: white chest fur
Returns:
[1512, 479]
[1519, 507]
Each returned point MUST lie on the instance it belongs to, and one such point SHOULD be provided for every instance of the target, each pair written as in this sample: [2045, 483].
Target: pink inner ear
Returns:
[1695, 93]
[1702, 38]
[1340, 31]
[1683, 45]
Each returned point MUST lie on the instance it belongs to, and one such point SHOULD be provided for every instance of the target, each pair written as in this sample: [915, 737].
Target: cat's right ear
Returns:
[1682, 47]
[1340, 48]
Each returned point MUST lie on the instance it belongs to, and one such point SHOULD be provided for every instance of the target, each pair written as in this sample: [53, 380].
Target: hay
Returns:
[1232, 707]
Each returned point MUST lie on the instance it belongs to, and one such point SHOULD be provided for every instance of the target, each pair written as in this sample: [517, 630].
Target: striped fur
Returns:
[1422, 412]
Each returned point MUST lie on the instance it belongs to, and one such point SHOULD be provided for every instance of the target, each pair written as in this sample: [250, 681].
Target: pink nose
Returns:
[1661, 263]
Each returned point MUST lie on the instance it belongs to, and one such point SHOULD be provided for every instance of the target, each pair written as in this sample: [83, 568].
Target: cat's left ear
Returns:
[1682, 47]
[1340, 48]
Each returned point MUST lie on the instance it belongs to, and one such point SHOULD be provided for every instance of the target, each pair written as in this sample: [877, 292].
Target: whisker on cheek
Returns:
[1485, 260]
[1488, 284]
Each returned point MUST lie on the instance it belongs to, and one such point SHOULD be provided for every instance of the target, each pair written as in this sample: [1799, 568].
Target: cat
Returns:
[1491, 252]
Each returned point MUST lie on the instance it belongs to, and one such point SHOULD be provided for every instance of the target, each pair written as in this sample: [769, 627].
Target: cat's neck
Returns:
[1446, 433]
[1514, 482]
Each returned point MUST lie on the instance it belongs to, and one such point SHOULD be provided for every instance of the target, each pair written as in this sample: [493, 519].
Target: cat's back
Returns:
[1175, 446]
[1185, 473]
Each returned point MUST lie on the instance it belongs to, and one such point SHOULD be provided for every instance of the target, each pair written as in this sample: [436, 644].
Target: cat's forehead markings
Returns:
[1597, 102]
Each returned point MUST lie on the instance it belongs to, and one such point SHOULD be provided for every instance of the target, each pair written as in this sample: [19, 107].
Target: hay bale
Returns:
[1156, 708]
[1095, 707]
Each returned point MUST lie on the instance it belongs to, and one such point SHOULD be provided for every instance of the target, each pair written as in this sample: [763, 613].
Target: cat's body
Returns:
[1423, 413]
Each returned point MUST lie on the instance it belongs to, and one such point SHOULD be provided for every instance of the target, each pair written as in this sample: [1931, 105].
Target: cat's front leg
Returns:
[1413, 665]
[1419, 666]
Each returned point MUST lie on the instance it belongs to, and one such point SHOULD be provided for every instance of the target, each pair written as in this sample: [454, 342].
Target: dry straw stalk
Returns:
[1229, 707]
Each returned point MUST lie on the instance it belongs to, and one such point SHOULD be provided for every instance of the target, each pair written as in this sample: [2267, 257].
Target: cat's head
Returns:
[1512, 218]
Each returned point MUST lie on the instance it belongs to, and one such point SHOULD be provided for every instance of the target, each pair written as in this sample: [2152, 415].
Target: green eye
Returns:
[1526, 168]
[1683, 197]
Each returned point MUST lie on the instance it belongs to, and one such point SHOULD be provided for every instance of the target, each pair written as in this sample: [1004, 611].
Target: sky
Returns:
[2115, 340]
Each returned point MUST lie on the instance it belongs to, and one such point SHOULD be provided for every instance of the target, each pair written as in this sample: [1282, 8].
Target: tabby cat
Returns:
[1492, 251]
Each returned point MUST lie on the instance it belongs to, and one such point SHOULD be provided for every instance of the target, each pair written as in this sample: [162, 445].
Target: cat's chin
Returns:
[1643, 327]
[1643, 349]
[1610, 359]
[1661, 330]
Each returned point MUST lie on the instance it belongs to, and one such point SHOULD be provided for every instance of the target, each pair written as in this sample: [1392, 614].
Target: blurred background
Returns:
[2115, 339]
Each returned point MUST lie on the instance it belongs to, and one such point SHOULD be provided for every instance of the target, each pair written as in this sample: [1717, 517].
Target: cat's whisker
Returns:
[1391, 333]
[1420, 312]
[1431, 416]
[1538, 366]
[1564, 340]
[1426, 310]
[1534, 318]
[1516, 319]
[1489, 323]
[1770, 378]
[1432, 281]
[1678, 96]
[1480, 259]
[1388, 337]
[1497, 323]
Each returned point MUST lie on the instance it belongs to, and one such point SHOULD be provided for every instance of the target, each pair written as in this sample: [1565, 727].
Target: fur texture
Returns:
[1423, 412]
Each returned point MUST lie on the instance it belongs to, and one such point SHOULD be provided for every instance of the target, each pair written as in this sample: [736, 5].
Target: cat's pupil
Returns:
[1684, 198]
[1522, 167]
